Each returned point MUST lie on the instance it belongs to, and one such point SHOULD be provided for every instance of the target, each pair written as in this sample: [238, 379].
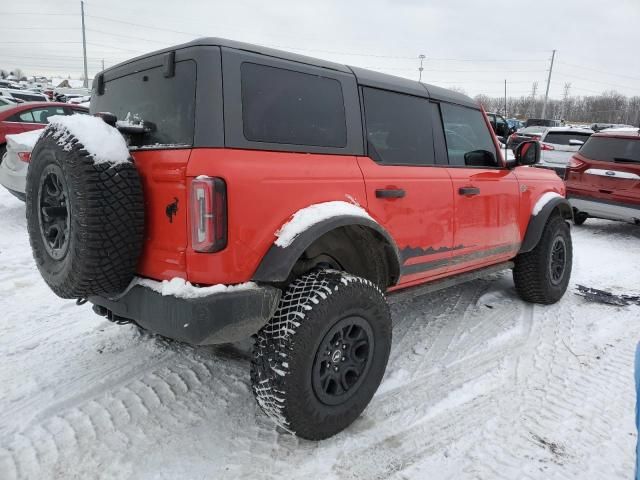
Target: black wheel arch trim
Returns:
[278, 262]
[538, 222]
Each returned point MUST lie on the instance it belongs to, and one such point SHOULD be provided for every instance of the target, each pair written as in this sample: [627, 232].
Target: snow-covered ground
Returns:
[479, 386]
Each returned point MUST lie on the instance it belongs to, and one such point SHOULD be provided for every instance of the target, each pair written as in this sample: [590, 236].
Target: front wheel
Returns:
[320, 359]
[542, 275]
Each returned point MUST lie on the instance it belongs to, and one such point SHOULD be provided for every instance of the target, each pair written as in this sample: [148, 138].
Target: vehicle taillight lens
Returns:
[24, 156]
[575, 163]
[546, 146]
[208, 214]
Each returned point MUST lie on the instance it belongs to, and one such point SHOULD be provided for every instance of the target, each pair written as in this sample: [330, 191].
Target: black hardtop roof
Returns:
[363, 76]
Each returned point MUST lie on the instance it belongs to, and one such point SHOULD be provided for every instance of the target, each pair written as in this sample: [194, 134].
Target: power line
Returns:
[600, 71]
[125, 36]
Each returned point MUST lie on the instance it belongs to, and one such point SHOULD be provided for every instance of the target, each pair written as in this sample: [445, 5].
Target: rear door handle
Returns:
[470, 191]
[390, 193]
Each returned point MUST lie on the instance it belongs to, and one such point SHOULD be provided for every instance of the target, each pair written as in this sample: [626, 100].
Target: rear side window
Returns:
[398, 128]
[612, 149]
[468, 139]
[29, 98]
[287, 107]
[41, 115]
[563, 138]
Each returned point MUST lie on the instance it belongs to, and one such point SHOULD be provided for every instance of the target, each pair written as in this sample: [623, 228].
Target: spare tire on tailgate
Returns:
[85, 208]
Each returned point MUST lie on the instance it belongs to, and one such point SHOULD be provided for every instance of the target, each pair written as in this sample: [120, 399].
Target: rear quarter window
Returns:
[613, 149]
[288, 107]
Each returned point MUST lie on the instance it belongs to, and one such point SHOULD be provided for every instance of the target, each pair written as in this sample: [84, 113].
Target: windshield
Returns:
[167, 104]
[612, 149]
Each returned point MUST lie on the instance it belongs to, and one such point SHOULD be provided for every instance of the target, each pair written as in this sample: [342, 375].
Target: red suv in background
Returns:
[603, 178]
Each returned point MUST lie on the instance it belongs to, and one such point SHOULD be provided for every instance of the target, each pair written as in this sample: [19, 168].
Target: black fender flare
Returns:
[278, 262]
[538, 222]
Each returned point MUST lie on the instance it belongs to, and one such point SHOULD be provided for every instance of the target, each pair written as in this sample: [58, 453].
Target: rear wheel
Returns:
[542, 275]
[318, 362]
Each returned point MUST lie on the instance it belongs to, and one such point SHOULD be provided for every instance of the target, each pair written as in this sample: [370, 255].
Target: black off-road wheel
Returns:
[85, 219]
[542, 275]
[318, 362]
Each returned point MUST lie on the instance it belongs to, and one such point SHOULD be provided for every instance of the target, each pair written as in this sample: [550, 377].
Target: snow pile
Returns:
[24, 142]
[180, 288]
[307, 217]
[103, 142]
[543, 200]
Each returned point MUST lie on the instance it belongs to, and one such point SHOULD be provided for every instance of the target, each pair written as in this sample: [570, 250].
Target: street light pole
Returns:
[420, 69]
[84, 48]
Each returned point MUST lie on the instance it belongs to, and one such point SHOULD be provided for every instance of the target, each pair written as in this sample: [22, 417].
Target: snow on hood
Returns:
[178, 287]
[103, 142]
[307, 217]
[543, 200]
[23, 142]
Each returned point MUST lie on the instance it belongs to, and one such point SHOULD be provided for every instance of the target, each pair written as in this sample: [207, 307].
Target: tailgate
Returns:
[164, 184]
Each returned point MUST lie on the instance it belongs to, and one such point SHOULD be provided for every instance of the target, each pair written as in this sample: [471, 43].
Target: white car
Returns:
[15, 162]
[23, 95]
[558, 144]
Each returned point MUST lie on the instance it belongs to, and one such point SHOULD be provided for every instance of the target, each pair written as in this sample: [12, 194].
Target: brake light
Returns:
[208, 214]
[24, 156]
[546, 146]
[575, 163]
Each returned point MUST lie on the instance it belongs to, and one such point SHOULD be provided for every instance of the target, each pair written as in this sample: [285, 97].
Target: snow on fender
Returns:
[543, 200]
[85, 208]
[309, 216]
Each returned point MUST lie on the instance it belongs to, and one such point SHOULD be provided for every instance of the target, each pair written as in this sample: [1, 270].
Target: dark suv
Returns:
[282, 196]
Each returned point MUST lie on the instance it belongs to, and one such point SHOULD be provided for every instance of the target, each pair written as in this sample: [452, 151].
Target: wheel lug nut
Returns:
[344, 358]
[335, 368]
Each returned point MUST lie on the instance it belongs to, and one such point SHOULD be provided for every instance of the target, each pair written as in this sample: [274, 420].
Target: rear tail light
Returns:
[575, 163]
[24, 156]
[208, 214]
[546, 146]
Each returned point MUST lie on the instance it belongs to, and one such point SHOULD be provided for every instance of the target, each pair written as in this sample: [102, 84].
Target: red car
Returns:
[30, 116]
[603, 178]
[281, 196]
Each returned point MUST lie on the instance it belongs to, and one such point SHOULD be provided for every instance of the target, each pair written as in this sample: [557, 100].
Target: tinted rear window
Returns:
[288, 107]
[398, 128]
[168, 103]
[612, 149]
[29, 97]
[563, 138]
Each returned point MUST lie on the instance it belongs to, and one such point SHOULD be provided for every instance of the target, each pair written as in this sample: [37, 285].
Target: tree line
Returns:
[608, 107]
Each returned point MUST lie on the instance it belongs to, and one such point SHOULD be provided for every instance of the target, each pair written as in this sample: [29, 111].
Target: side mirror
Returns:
[527, 153]
[575, 142]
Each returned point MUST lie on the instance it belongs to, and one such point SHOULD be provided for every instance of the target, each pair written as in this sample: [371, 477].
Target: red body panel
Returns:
[421, 223]
[603, 188]
[264, 189]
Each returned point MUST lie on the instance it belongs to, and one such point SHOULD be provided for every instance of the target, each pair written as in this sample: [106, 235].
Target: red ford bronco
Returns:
[271, 194]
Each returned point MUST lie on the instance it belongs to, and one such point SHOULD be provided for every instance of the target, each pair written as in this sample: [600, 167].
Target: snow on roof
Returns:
[103, 142]
[615, 130]
[309, 216]
[23, 142]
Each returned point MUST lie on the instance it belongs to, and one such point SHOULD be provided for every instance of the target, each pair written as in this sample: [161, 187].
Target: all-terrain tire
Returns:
[534, 275]
[290, 350]
[104, 218]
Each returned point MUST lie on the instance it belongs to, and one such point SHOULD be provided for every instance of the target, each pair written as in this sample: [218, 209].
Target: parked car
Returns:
[603, 178]
[514, 124]
[542, 122]
[558, 144]
[24, 117]
[526, 134]
[288, 217]
[15, 161]
[4, 101]
[499, 125]
[596, 127]
[23, 95]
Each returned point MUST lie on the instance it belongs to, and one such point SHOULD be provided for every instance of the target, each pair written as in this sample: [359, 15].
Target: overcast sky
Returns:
[471, 45]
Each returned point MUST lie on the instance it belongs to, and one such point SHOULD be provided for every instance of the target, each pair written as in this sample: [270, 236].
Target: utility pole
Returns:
[565, 100]
[532, 101]
[420, 69]
[103, 64]
[84, 47]
[505, 98]
[546, 94]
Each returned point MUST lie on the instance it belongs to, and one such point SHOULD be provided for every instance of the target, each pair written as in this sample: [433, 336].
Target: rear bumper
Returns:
[606, 209]
[13, 180]
[218, 318]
